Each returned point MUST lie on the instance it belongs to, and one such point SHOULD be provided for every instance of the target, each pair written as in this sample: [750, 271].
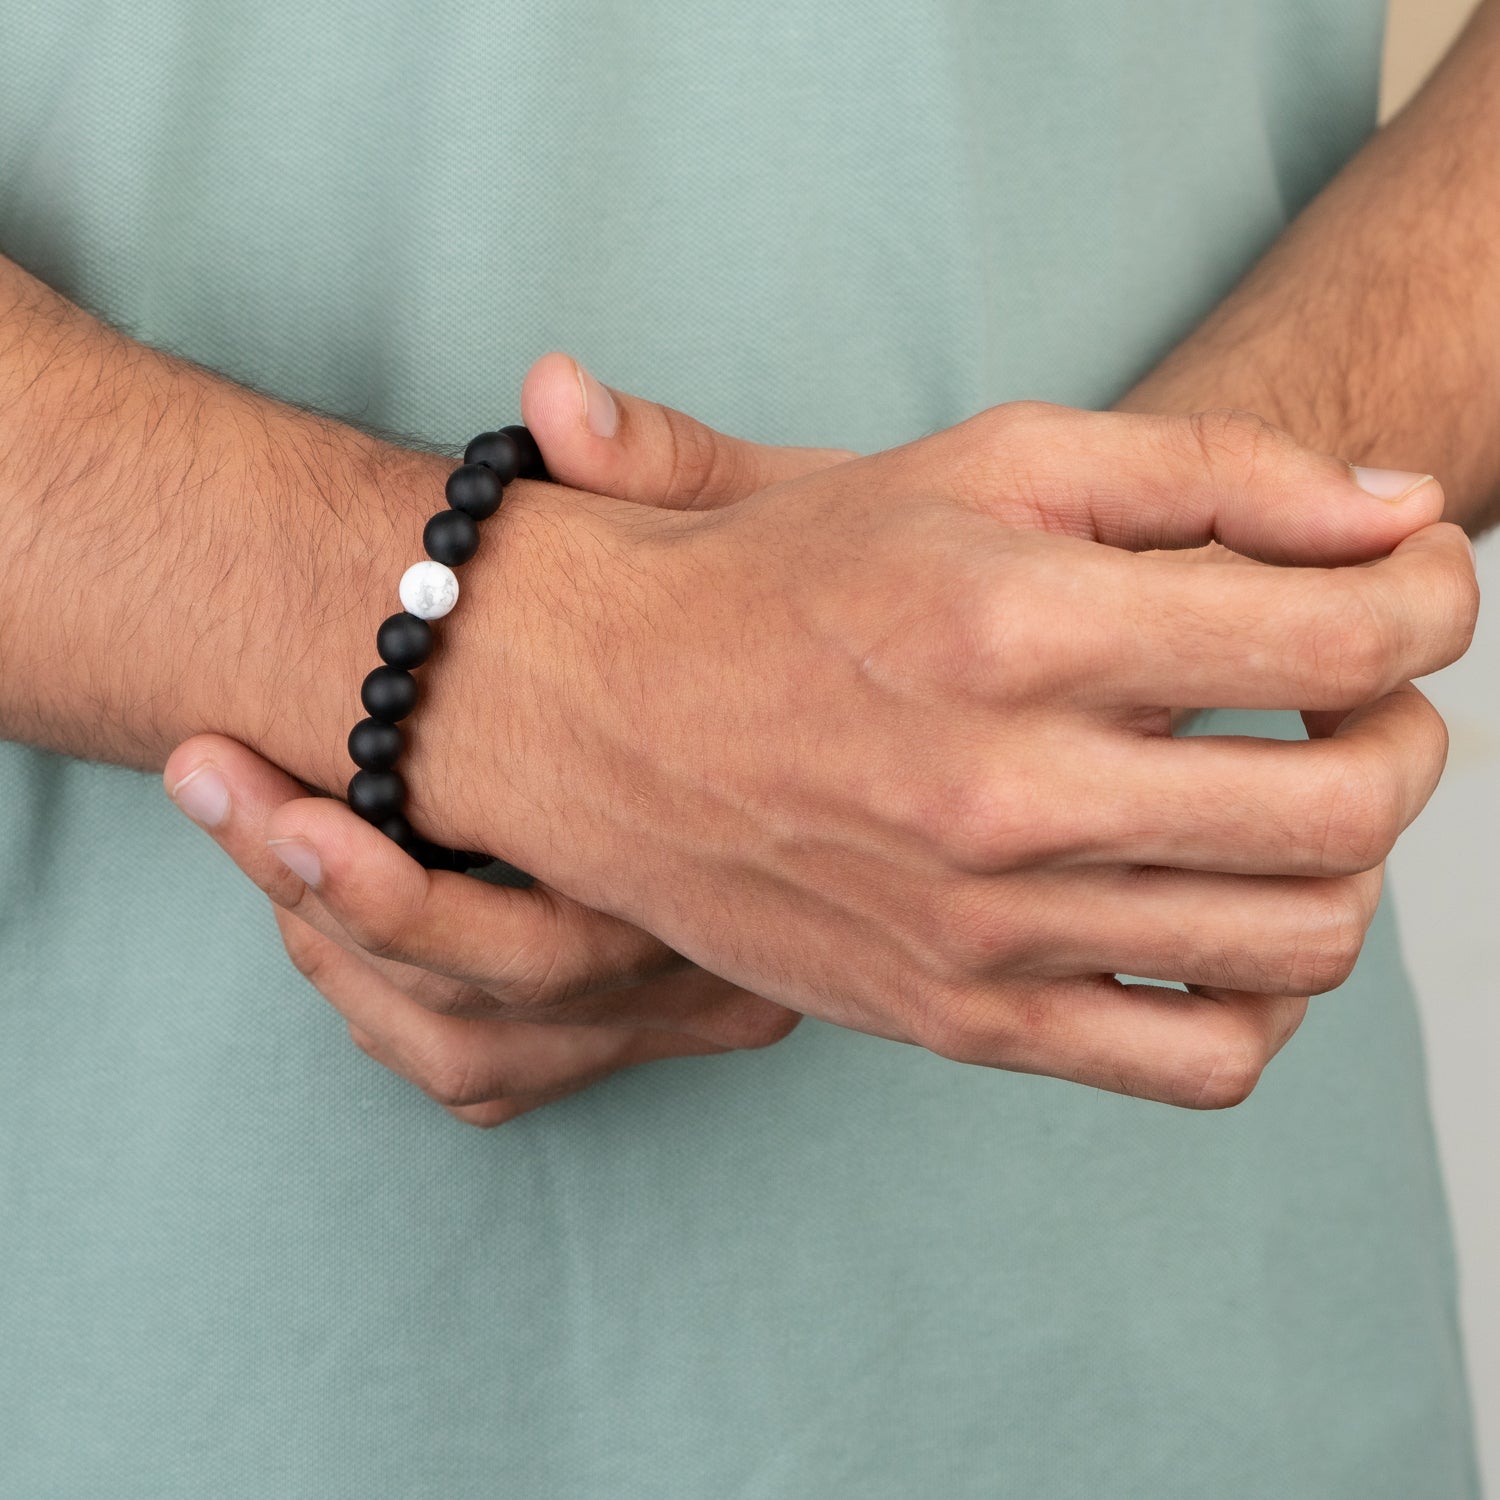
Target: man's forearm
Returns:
[1372, 327]
[178, 554]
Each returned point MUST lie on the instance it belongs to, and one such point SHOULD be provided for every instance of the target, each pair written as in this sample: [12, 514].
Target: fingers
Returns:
[1230, 803]
[529, 944]
[230, 791]
[1258, 934]
[1138, 482]
[1203, 1050]
[631, 449]
[463, 1063]
[1260, 637]
[456, 945]
[530, 954]
[1156, 633]
[1326, 807]
[525, 947]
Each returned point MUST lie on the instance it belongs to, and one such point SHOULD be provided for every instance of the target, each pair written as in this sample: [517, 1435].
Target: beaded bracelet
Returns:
[429, 590]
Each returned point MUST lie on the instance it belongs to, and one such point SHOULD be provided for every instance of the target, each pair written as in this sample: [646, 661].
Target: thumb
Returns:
[612, 444]
[1142, 482]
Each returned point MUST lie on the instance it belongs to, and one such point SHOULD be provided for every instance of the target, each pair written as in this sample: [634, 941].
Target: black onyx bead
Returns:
[451, 537]
[374, 746]
[404, 640]
[497, 451]
[389, 694]
[397, 830]
[429, 855]
[377, 795]
[436, 857]
[475, 490]
[532, 466]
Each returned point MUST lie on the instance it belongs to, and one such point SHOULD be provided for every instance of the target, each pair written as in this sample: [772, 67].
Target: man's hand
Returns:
[424, 1003]
[469, 946]
[424, 1006]
[889, 743]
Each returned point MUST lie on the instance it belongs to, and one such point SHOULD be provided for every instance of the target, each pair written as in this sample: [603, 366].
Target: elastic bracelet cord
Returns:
[429, 590]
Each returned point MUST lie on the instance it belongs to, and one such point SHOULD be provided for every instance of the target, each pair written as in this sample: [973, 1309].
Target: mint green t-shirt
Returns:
[237, 1259]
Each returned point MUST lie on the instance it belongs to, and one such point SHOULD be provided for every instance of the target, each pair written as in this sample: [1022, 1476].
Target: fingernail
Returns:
[599, 413]
[203, 796]
[1388, 484]
[299, 857]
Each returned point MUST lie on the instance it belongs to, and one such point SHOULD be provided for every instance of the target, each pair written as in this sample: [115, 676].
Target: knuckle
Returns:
[534, 977]
[1328, 947]
[963, 1025]
[1226, 1075]
[998, 642]
[526, 978]
[1350, 654]
[1223, 1062]
[698, 460]
[1357, 815]
[1318, 966]
[1009, 447]
[981, 826]
[448, 997]
[960, 930]
[963, 820]
[1363, 667]
[1232, 439]
[1230, 1052]
[450, 1078]
[1009, 417]
[947, 1035]
[971, 928]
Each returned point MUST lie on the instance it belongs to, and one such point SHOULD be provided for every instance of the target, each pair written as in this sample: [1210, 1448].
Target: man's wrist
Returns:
[347, 511]
[334, 517]
[180, 555]
[496, 688]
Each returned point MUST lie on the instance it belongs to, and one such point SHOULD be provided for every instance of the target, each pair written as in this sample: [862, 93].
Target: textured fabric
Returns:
[239, 1260]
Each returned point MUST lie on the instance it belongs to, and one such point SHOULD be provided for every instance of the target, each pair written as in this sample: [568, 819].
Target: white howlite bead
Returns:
[429, 589]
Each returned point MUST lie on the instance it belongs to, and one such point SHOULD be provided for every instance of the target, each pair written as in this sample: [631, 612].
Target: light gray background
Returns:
[1446, 874]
